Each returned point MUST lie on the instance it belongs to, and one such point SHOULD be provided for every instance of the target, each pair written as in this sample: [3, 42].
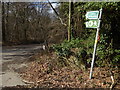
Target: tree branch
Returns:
[56, 13]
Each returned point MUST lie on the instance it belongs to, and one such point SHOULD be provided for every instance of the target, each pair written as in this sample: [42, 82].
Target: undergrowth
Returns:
[78, 52]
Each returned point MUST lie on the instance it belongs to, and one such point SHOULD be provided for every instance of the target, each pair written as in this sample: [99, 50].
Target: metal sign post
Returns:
[95, 45]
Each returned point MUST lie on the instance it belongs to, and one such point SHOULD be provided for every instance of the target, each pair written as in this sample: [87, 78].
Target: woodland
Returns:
[66, 61]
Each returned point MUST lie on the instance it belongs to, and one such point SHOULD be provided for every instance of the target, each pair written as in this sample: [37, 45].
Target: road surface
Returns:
[14, 58]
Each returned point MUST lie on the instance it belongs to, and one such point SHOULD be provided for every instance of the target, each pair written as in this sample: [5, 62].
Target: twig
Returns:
[113, 81]
[112, 77]
[27, 82]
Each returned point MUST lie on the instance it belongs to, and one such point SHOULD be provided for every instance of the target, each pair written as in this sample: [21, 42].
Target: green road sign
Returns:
[92, 15]
[92, 24]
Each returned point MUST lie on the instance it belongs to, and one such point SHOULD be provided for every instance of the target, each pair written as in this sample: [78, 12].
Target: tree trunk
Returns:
[6, 23]
[3, 22]
[69, 22]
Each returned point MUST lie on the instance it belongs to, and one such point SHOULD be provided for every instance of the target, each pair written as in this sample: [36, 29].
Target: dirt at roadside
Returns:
[45, 73]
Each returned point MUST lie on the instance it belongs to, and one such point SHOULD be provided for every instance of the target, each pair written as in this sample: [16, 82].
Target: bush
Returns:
[64, 49]
[82, 50]
[71, 50]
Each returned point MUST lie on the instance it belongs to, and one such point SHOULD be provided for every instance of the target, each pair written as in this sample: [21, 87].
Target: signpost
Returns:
[94, 22]
[92, 15]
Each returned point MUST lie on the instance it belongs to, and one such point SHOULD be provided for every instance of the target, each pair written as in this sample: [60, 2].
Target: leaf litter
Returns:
[44, 72]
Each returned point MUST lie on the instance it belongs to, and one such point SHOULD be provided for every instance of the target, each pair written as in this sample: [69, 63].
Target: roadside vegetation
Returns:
[66, 63]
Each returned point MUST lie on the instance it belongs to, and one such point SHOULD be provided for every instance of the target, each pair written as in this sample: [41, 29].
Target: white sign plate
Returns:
[92, 24]
[92, 15]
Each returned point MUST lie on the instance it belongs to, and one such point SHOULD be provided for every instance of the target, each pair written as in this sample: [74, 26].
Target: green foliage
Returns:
[71, 53]
[108, 48]
[64, 48]
[106, 52]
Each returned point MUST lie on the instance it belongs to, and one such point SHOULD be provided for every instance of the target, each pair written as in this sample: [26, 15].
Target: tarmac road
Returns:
[14, 58]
